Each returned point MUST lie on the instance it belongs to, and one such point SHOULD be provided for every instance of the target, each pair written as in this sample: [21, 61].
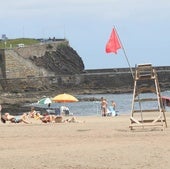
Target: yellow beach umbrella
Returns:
[64, 98]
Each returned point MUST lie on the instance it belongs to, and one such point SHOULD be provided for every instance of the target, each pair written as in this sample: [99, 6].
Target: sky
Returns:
[143, 27]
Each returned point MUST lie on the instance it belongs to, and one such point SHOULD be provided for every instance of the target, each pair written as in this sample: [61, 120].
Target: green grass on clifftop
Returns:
[11, 43]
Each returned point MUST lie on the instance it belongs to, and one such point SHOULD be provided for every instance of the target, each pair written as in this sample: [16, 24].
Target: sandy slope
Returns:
[99, 143]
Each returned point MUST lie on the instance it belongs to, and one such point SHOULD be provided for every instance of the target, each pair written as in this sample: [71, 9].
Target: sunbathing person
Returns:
[73, 120]
[38, 116]
[32, 113]
[15, 119]
[48, 118]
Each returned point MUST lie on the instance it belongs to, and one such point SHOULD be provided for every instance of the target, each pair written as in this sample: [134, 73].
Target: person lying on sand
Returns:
[32, 113]
[59, 119]
[15, 119]
[73, 120]
[48, 118]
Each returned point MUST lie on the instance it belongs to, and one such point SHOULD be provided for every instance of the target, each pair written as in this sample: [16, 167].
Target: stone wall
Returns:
[16, 63]
[85, 83]
[47, 59]
[18, 67]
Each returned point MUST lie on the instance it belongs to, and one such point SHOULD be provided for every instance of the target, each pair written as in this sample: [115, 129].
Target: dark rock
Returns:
[64, 60]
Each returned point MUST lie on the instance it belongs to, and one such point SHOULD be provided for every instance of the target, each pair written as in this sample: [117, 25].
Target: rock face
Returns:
[40, 60]
[64, 60]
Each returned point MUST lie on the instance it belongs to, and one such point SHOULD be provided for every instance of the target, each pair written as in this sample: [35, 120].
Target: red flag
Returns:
[113, 44]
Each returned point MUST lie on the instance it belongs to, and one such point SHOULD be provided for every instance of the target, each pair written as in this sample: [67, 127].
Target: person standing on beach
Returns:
[104, 106]
[113, 105]
[0, 110]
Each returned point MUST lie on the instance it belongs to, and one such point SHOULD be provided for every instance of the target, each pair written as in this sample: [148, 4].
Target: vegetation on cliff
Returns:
[8, 43]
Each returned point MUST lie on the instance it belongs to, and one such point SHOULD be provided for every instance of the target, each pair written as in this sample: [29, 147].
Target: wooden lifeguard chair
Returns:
[147, 105]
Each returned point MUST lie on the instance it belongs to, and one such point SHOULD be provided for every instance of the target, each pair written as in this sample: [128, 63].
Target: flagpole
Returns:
[124, 53]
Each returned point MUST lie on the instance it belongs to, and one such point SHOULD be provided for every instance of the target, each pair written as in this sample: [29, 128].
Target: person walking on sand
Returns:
[104, 106]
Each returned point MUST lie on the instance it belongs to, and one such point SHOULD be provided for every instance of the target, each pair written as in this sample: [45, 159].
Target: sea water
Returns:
[92, 108]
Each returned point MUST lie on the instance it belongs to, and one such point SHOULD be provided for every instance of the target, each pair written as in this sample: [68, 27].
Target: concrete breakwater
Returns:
[91, 81]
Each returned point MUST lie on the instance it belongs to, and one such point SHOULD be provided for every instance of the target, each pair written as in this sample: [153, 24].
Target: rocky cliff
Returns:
[47, 59]
[63, 60]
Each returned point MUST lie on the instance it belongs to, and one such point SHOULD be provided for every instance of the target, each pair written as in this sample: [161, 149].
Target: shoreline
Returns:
[14, 102]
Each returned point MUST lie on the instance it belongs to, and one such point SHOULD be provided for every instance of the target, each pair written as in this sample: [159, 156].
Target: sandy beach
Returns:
[97, 143]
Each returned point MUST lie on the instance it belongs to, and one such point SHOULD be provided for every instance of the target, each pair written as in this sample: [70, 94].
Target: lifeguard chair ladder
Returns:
[146, 81]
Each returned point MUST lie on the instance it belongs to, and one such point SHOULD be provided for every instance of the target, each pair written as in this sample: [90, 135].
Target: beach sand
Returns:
[98, 143]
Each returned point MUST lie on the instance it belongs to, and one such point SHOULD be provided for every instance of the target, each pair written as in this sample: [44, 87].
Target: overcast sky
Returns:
[143, 27]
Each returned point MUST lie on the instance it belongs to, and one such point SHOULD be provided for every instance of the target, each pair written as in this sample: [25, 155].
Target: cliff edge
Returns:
[63, 60]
